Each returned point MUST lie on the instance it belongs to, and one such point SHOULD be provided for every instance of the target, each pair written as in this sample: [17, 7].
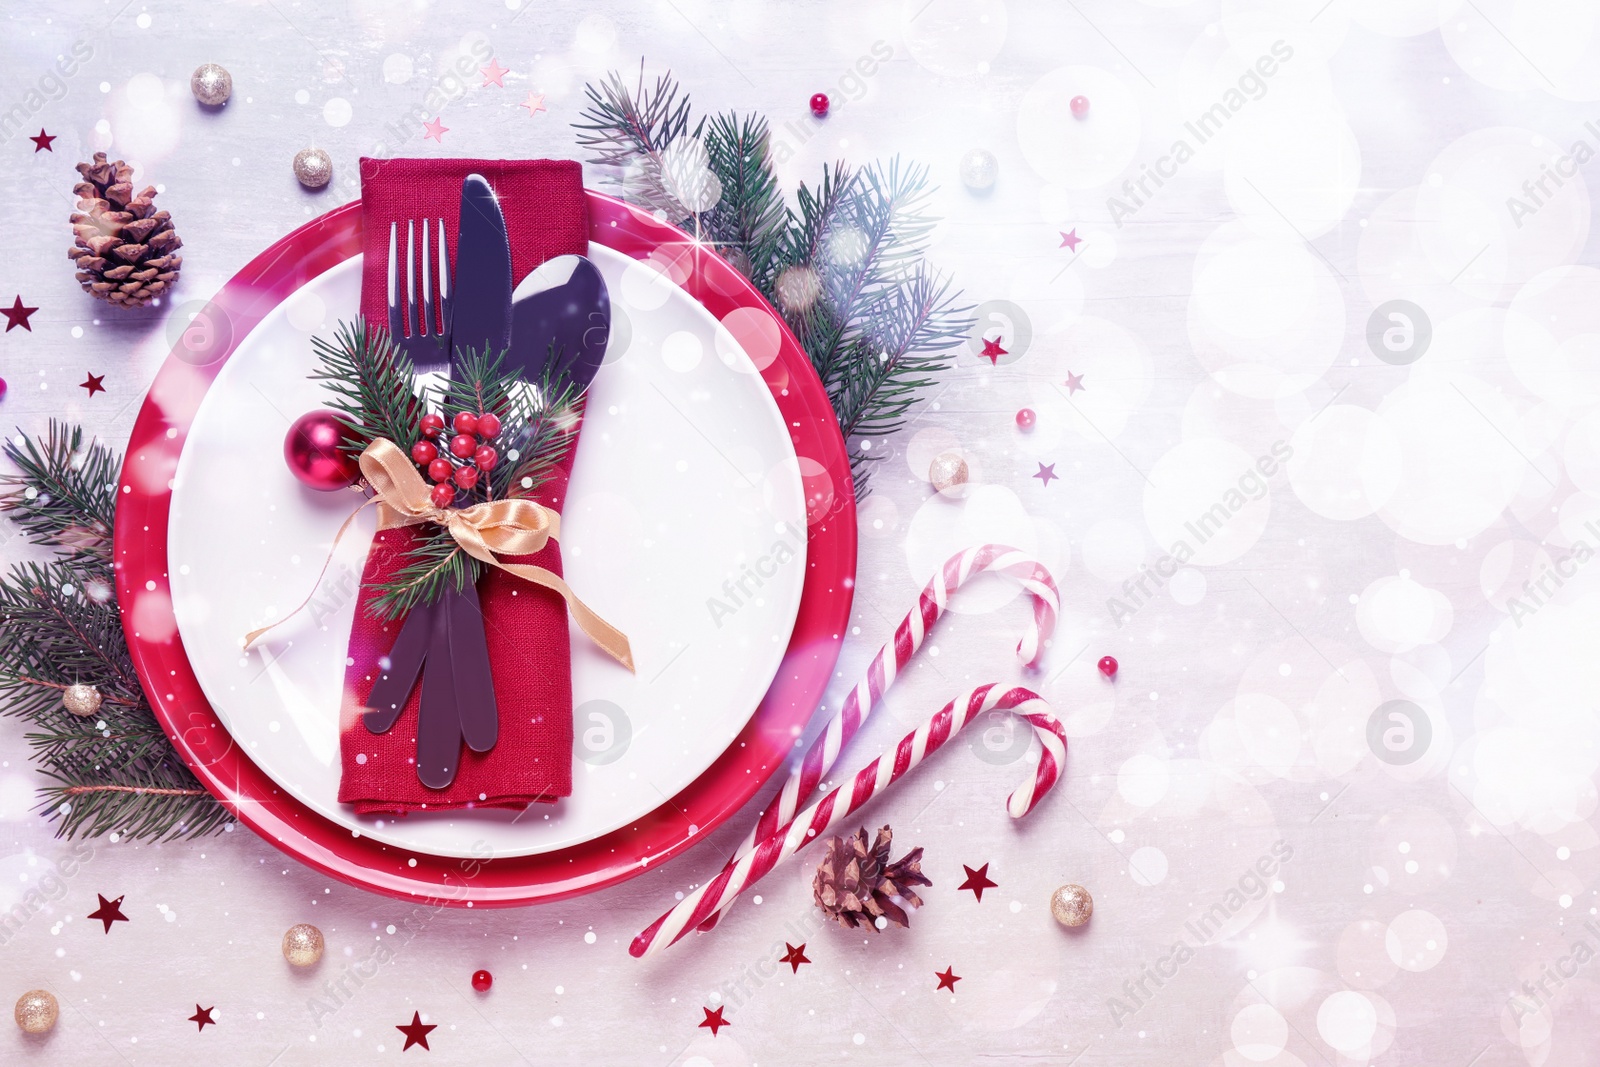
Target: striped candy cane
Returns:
[891, 660]
[740, 874]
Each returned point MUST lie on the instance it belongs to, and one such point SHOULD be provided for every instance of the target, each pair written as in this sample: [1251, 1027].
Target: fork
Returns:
[421, 330]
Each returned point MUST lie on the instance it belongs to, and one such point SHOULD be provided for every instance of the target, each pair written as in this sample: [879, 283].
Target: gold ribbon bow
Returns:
[513, 526]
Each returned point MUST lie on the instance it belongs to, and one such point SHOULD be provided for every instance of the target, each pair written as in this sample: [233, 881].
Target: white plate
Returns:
[685, 480]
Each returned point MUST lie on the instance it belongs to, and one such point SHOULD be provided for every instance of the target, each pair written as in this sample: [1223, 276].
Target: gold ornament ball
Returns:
[302, 944]
[211, 84]
[947, 471]
[37, 1012]
[1071, 905]
[82, 700]
[313, 167]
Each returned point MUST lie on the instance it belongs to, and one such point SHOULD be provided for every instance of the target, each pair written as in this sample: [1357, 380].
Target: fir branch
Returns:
[632, 130]
[63, 493]
[750, 222]
[434, 564]
[373, 385]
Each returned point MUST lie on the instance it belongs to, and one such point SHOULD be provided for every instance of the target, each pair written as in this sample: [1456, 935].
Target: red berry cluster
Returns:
[470, 445]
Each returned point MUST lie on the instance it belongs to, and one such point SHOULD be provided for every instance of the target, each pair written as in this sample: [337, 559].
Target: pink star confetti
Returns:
[493, 73]
[1074, 383]
[1070, 240]
[436, 129]
[534, 104]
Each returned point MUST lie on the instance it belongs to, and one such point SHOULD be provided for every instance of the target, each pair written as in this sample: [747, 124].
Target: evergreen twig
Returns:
[64, 492]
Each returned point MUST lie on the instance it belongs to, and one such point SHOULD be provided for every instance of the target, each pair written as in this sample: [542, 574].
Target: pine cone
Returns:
[125, 248]
[856, 884]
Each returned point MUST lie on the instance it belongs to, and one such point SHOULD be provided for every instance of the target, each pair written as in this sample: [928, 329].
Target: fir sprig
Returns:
[63, 492]
[373, 385]
[844, 264]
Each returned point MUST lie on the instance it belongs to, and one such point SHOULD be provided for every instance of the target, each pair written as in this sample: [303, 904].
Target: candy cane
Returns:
[891, 660]
[740, 874]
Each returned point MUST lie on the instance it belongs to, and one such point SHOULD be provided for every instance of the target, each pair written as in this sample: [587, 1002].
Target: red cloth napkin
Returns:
[529, 648]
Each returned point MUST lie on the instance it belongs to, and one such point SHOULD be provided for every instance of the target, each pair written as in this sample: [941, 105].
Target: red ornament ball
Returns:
[819, 105]
[441, 469]
[482, 980]
[1080, 106]
[424, 453]
[442, 494]
[486, 457]
[489, 427]
[466, 477]
[1108, 666]
[431, 425]
[1026, 418]
[463, 444]
[466, 422]
[311, 448]
[2, 380]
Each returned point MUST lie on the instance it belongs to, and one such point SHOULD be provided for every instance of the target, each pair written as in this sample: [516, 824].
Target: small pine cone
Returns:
[856, 884]
[124, 248]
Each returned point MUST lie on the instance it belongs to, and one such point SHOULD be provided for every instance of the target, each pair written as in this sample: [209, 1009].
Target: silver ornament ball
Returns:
[979, 169]
[1071, 905]
[82, 700]
[211, 84]
[313, 167]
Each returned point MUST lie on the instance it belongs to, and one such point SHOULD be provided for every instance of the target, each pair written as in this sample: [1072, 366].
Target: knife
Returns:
[482, 314]
[560, 321]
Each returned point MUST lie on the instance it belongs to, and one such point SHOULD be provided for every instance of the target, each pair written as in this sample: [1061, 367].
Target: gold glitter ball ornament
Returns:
[82, 700]
[302, 944]
[1071, 905]
[211, 84]
[947, 471]
[37, 1012]
[313, 167]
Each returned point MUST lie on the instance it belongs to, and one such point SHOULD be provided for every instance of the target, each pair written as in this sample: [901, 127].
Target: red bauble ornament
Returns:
[466, 422]
[1108, 666]
[819, 105]
[466, 477]
[1026, 418]
[486, 458]
[482, 980]
[311, 448]
[431, 425]
[442, 494]
[1080, 106]
[489, 427]
[424, 453]
[463, 444]
[441, 469]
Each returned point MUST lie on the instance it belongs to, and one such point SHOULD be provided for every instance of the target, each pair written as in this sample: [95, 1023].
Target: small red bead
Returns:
[432, 425]
[1080, 106]
[819, 105]
[441, 469]
[1108, 666]
[466, 422]
[442, 494]
[466, 477]
[1025, 418]
[482, 980]
[463, 445]
[424, 453]
[486, 457]
[489, 425]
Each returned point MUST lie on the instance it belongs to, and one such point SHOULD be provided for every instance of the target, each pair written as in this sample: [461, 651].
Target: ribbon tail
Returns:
[438, 720]
[602, 633]
[469, 661]
[393, 687]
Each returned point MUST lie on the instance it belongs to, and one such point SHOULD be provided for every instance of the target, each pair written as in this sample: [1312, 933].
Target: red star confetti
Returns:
[1045, 473]
[978, 880]
[17, 315]
[42, 142]
[992, 350]
[493, 73]
[92, 382]
[947, 980]
[417, 1032]
[202, 1017]
[714, 1020]
[1070, 240]
[534, 104]
[796, 956]
[1074, 383]
[436, 129]
[110, 911]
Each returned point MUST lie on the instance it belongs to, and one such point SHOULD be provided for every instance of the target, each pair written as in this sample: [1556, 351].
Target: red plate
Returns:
[247, 791]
